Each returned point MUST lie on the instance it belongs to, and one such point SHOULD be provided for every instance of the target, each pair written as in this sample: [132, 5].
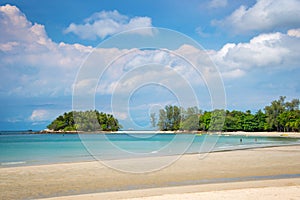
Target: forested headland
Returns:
[280, 115]
[91, 120]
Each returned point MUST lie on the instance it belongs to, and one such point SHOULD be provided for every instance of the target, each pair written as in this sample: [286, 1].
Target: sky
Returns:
[48, 50]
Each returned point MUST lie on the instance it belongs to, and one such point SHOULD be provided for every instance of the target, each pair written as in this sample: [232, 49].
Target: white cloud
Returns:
[236, 73]
[106, 23]
[294, 32]
[136, 67]
[31, 63]
[218, 3]
[264, 15]
[8, 46]
[273, 50]
[39, 115]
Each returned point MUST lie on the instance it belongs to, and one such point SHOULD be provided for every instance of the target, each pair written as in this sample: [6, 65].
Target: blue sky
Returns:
[254, 44]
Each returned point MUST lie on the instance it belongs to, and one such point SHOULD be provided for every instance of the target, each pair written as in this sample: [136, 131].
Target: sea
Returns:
[22, 148]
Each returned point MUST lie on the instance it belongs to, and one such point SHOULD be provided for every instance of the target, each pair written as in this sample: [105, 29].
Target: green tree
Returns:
[190, 118]
[177, 117]
[260, 121]
[153, 119]
[85, 121]
[272, 113]
[170, 118]
[162, 122]
[204, 121]
[234, 121]
[191, 123]
[279, 116]
[249, 121]
[293, 105]
[217, 120]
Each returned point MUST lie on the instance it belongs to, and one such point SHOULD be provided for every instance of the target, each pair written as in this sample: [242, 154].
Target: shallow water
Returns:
[23, 148]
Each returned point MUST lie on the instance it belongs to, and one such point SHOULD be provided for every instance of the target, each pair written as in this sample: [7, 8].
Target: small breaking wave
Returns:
[13, 163]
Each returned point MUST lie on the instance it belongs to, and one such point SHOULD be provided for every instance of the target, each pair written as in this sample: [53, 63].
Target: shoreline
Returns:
[43, 181]
[264, 134]
[122, 159]
[235, 133]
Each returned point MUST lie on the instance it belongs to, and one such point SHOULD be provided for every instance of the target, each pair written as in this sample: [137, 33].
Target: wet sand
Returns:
[92, 177]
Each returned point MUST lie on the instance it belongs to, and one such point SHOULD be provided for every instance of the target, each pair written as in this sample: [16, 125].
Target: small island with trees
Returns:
[84, 121]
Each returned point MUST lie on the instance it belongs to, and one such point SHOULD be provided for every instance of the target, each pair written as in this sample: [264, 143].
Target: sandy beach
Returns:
[220, 168]
[264, 134]
[277, 189]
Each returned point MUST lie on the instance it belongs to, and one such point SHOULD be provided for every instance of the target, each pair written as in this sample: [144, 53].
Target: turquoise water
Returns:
[21, 148]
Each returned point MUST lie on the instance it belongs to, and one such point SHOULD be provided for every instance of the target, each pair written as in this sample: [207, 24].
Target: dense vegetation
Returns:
[279, 116]
[85, 121]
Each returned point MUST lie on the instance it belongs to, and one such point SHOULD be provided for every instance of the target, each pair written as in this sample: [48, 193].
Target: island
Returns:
[83, 121]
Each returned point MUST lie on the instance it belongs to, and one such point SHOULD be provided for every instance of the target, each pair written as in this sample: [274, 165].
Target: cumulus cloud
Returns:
[264, 15]
[106, 23]
[273, 50]
[133, 68]
[31, 63]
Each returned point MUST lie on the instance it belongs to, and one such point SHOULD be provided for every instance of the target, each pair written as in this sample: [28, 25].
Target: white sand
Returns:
[271, 193]
[263, 189]
[33, 182]
[265, 134]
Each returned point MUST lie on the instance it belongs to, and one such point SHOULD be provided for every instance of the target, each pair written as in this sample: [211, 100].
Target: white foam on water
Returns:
[13, 163]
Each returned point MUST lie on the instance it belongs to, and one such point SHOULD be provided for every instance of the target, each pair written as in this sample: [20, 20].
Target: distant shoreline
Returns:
[237, 133]
[264, 134]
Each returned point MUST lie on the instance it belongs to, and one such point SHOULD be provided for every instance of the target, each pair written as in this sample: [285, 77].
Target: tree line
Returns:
[91, 120]
[280, 115]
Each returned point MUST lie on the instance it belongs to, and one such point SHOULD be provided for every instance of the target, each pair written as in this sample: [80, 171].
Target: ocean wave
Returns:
[13, 163]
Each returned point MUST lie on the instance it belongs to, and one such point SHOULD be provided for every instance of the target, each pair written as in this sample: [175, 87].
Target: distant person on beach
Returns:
[241, 140]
